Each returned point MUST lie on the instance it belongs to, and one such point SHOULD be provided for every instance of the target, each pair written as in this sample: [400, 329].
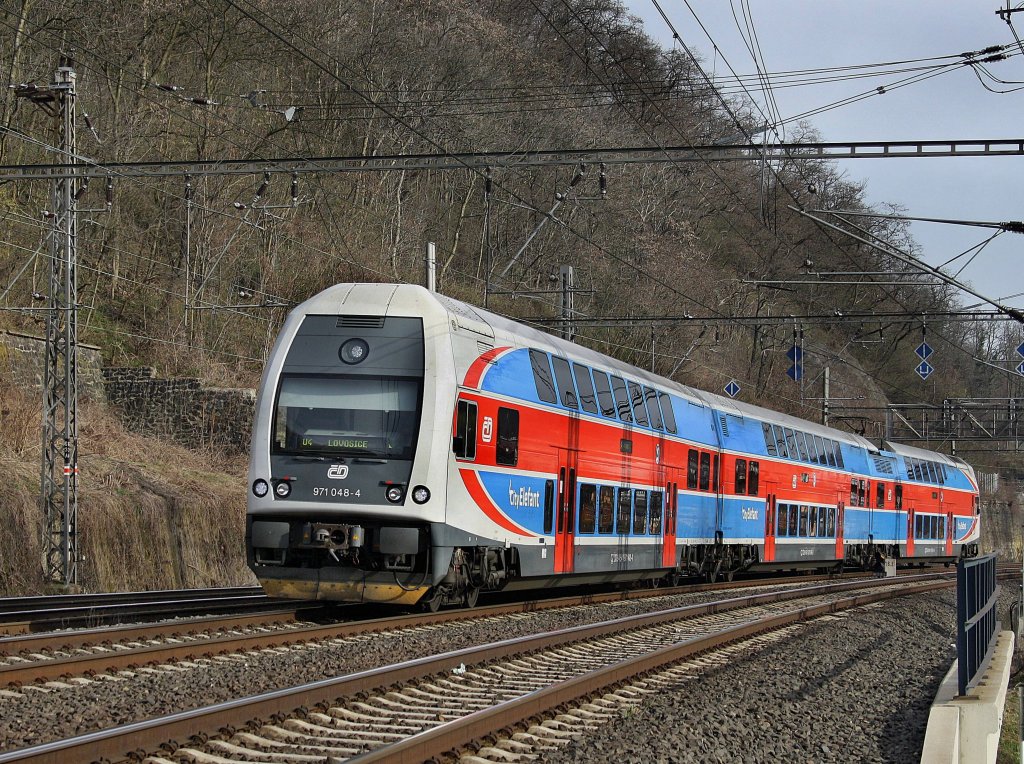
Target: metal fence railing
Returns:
[976, 596]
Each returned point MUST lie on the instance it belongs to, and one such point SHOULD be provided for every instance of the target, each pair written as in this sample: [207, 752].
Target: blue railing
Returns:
[976, 596]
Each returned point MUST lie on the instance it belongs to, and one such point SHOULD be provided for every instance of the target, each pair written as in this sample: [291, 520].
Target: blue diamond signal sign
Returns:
[795, 354]
[924, 350]
[1020, 367]
[733, 388]
[924, 369]
[796, 372]
[1020, 349]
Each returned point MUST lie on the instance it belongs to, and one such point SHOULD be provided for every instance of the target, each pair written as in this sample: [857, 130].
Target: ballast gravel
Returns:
[860, 685]
[854, 687]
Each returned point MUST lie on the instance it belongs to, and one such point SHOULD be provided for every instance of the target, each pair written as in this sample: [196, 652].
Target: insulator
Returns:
[109, 192]
[295, 188]
[81, 189]
[487, 182]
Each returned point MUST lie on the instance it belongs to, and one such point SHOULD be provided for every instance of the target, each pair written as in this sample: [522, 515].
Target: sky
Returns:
[805, 34]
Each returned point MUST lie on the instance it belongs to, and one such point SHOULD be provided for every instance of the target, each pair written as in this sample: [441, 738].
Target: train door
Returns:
[565, 522]
[769, 523]
[910, 518]
[949, 533]
[840, 523]
[668, 548]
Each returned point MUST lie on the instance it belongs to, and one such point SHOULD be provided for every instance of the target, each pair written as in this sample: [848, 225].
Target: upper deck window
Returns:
[542, 376]
[585, 385]
[667, 413]
[636, 397]
[604, 394]
[566, 387]
[652, 408]
[621, 399]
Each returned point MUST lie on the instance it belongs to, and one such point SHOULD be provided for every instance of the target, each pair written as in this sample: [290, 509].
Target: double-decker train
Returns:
[410, 448]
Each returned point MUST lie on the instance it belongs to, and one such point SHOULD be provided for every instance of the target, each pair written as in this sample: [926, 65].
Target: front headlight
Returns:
[421, 494]
[260, 488]
[282, 489]
[394, 494]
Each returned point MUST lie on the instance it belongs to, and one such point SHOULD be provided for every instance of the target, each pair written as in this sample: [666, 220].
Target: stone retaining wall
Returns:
[23, 360]
[184, 410]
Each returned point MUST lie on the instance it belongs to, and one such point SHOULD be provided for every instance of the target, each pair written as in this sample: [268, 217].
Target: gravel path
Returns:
[856, 687]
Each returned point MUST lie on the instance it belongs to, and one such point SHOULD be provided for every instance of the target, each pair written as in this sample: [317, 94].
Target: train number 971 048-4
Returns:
[337, 493]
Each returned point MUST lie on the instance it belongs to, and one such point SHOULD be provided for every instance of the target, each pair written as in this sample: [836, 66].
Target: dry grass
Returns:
[151, 514]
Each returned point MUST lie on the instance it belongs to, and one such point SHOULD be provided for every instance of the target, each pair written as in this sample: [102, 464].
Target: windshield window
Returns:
[347, 416]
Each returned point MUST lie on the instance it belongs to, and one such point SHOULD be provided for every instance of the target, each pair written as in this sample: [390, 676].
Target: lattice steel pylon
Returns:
[59, 479]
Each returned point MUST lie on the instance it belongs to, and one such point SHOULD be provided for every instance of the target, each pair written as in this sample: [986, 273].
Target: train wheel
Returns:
[434, 601]
[472, 595]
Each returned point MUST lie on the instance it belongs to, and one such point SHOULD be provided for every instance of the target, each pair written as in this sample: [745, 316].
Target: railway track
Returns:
[51, 657]
[417, 709]
[25, 615]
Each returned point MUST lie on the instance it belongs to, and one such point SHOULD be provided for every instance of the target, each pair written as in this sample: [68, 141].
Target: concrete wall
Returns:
[183, 410]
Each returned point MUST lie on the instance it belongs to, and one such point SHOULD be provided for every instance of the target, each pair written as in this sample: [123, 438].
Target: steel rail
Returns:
[131, 739]
[78, 665]
[459, 733]
[51, 601]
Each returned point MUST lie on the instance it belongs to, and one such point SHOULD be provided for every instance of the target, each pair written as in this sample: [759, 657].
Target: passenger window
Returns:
[741, 476]
[791, 447]
[542, 376]
[780, 442]
[803, 520]
[566, 388]
[812, 522]
[549, 504]
[854, 499]
[839, 456]
[782, 512]
[812, 449]
[899, 497]
[667, 414]
[606, 512]
[769, 439]
[753, 479]
[917, 527]
[652, 408]
[621, 399]
[691, 470]
[830, 452]
[819, 446]
[636, 397]
[604, 394]
[588, 507]
[464, 440]
[880, 495]
[622, 518]
[507, 451]
[801, 444]
[586, 387]
[832, 521]
[793, 517]
[705, 471]
[639, 511]
[654, 519]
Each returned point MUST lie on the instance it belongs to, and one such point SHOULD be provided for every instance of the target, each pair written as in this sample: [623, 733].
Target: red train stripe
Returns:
[480, 365]
[480, 496]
